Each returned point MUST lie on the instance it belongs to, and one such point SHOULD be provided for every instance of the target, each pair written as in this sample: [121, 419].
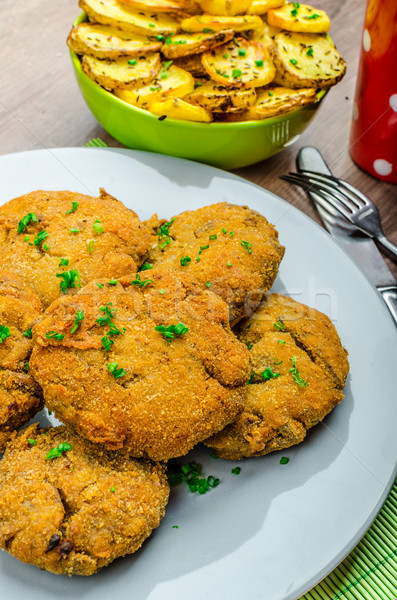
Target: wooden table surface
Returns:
[41, 106]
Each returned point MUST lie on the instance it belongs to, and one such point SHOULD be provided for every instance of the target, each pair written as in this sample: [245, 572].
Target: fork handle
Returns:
[389, 295]
[382, 239]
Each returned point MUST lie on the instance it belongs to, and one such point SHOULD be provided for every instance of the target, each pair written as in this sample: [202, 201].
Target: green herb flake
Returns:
[251, 379]
[228, 264]
[236, 73]
[271, 93]
[26, 366]
[208, 284]
[24, 222]
[293, 61]
[70, 279]
[242, 52]
[115, 371]
[224, 230]
[310, 51]
[26, 238]
[259, 63]
[284, 460]
[282, 342]
[190, 474]
[185, 260]
[40, 237]
[75, 206]
[313, 16]
[32, 442]
[294, 12]
[268, 374]
[74, 230]
[175, 527]
[27, 333]
[169, 332]
[91, 246]
[160, 37]
[4, 333]
[97, 227]
[100, 285]
[107, 343]
[204, 247]
[112, 489]
[58, 451]
[113, 281]
[79, 318]
[142, 283]
[54, 335]
[146, 267]
[63, 262]
[133, 61]
[279, 325]
[277, 362]
[236, 471]
[247, 246]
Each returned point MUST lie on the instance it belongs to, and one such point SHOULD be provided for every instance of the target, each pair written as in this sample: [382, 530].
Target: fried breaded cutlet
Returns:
[299, 369]
[60, 241]
[70, 506]
[20, 395]
[231, 249]
[148, 364]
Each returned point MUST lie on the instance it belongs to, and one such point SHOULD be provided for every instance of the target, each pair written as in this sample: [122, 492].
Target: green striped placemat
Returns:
[370, 570]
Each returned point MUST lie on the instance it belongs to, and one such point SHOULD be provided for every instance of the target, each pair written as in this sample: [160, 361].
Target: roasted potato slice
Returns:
[193, 64]
[277, 101]
[265, 35]
[155, 6]
[240, 63]
[214, 23]
[177, 84]
[112, 12]
[103, 41]
[194, 43]
[179, 109]
[260, 7]
[299, 18]
[122, 73]
[219, 98]
[306, 60]
[225, 7]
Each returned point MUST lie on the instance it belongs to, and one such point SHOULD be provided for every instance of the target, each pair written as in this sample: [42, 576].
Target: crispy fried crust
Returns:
[173, 393]
[305, 350]
[78, 512]
[118, 250]
[20, 396]
[241, 274]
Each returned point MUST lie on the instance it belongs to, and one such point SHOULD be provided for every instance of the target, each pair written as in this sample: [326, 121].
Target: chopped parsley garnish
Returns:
[4, 333]
[259, 63]
[295, 373]
[32, 442]
[70, 279]
[106, 343]
[294, 12]
[204, 247]
[175, 527]
[63, 262]
[25, 221]
[163, 231]
[282, 342]
[132, 62]
[170, 331]
[106, 319]
[46, 247]
[40, 237]
[28, 333]
[146, 267]
[77, 320]
[251, 379]
[75, 206]
[247, 246]
[112, 489]
[185, 260]
[100, 285]
[277, 362]
[268, 374]
[228, 264]
[97, 226]
[58, 451]
[284, 460]
[313, 16]
[54, 335]
[213, 236]
[279, 325]
[190, 473]
[242, 52]
[113, 281]
[160, 37]
[91, 246]
[140, 282]
[224, 230]
[236, 470]
[208, 284]
[115, 371]
[74, 230]
[293, 61]
[26, 366]
[271, 93]
[310, 51]
[236, 73]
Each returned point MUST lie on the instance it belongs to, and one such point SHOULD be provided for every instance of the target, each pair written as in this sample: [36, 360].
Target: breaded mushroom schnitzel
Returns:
[60, 241]
[231, 249]
[299, 369]
[71, 507]
[20, 395]
[148, 364]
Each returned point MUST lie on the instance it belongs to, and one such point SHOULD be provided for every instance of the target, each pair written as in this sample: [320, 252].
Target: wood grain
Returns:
[41, 106]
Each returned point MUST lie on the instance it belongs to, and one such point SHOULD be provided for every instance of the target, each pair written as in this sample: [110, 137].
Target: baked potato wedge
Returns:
[104, 41]
[240, 63]
[122, 73]
[155, 6]
[179, 109]
[177, 84]
[193, 64]
[220, 98]
[194, 43]
[112, 12]
[215, 23]
[306, 60]
[260, 7]
[300, 18]
[225, 7]
[265, 35]
[277, 101]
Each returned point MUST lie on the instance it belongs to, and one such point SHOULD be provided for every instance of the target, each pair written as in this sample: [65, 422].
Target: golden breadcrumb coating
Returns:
[165, 396]
[231, 248]
[20, 395]
[77, 512]
[99, 237]
[299, 369]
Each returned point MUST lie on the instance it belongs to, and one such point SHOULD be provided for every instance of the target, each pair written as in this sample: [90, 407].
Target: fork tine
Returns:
[345, 198]
[325, 198]
[340, 183]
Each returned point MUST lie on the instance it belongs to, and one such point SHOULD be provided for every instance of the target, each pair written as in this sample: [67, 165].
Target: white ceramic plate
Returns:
[275, 530]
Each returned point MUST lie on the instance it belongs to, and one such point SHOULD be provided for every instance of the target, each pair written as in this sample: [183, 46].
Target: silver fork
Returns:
[350, 203]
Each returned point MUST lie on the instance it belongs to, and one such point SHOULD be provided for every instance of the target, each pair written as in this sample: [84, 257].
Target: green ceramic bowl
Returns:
[224, 145]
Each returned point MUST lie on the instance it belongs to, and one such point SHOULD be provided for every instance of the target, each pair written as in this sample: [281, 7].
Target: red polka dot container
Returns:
[373, 140]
